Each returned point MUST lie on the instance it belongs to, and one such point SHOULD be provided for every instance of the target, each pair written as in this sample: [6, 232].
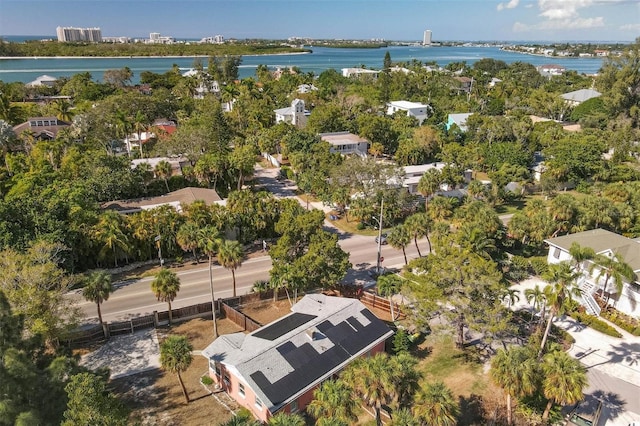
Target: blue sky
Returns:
[553, 20]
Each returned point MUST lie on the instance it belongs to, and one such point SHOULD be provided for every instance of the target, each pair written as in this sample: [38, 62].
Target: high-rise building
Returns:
[426, 39]
[79, 34]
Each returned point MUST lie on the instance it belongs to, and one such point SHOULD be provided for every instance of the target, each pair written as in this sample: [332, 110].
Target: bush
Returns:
[595, 323]
[539, 264]
[518, 268]
[206, 380]
[624, 321]
[360, 226]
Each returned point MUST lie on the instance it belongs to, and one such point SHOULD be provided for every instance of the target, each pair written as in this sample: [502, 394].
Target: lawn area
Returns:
[440, 360]
[352, 226]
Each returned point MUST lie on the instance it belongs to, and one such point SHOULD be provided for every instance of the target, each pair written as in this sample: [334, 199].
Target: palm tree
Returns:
[163, 171]
[558, 293]
[187, 238]
[372, 381]
[230, 254]
[98, 287]
[406, 378]
[536, 295]
[208, 240]
[399, 238]
[175, 357]
[514, 370]
[511, 296]
[564, 380]
[333, 400]
[419, 225]
[404, 417]
[615, 268]
[429, 184]
[435, 405]
[388, 285]
[286, 419]
[109, 231]
[166, 286]
[580, 254]
[140, 126]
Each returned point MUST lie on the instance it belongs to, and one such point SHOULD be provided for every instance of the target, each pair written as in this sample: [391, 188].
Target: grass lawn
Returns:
[352, 226]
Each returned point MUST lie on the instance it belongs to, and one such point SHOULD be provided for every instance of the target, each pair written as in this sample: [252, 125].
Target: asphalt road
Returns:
[134, 298]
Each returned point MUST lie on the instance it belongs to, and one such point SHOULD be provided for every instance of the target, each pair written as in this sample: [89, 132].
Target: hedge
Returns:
[595, 323]
[625, 322]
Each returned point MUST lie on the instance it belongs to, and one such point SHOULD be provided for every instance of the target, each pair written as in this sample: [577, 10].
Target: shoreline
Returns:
[540, 55]
[143, 57]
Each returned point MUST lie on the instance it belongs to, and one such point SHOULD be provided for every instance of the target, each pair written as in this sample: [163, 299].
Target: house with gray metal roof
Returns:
[579, 96]
[606, 243]
[277, 367]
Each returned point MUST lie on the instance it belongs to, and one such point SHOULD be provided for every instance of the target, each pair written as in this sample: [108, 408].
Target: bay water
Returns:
[322, 58]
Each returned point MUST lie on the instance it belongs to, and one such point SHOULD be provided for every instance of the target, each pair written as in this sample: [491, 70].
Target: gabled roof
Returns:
[581, 95]
[342, 138]
[602, 241]
[176, 199]
[291, 355]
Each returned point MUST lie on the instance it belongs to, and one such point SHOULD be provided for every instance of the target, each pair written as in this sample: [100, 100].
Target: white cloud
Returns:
[560, 24]
[630, 27]
[510, 5]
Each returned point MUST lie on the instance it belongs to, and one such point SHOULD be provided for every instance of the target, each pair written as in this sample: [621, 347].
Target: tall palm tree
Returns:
[230, 255]
[175, 357]
[580, 254]
[614, 268]
[98, 287]
[372, 381]
[187, 238]
[286, 419]
[166, 286]
[140, 126]
[109, 232]
[333, 400]
[564, 380]
[536, 296]
[515, 371]
[163, 171]
[404, 417]
[208, 241]
[435, 405]
[419, 225]
[406, 378]
[388, 285]
[399, 238]
[561, 278]
[511, 296]
[429, 184]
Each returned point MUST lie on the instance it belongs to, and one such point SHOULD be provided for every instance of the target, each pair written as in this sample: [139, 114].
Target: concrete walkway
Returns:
[615, 357]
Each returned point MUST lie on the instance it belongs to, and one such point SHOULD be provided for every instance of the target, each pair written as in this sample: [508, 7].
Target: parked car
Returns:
[383, 239]
[585, 413]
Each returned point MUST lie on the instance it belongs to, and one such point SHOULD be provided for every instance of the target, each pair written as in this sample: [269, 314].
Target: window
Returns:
[556, 253]
[227, 380]
[241, 390]
[293, 407]
[258, 403]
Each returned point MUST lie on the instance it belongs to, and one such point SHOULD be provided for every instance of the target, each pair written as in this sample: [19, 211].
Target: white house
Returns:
[579, 96]
[346, 143]
[357, 72]
[294, 114]
[459, 119]
[412, 175]
[43, 80]
[412, 109]
[606, 243]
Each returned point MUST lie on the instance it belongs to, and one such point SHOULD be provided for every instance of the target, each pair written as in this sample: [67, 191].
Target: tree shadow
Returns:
[624, 353]
[471, 412]
[612, 405]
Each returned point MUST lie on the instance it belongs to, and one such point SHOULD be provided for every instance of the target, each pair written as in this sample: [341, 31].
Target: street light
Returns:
[379, 236]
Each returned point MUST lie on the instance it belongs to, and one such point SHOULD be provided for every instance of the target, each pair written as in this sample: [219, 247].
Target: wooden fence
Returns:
[373, 301]
[228, 307]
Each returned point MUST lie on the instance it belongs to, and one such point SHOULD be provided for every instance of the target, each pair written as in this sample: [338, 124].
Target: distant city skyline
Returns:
[403, 20]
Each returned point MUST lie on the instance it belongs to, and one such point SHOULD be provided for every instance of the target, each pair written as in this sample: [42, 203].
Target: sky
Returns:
[468, 20]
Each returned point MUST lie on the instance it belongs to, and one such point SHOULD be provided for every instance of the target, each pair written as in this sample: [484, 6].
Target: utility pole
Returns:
[380, 236]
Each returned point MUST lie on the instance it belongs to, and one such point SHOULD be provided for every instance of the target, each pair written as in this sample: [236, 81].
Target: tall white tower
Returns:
[426, 39]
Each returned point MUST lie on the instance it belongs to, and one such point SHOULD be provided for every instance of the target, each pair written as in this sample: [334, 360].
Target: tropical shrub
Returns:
[624, 321]
[595, 323]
